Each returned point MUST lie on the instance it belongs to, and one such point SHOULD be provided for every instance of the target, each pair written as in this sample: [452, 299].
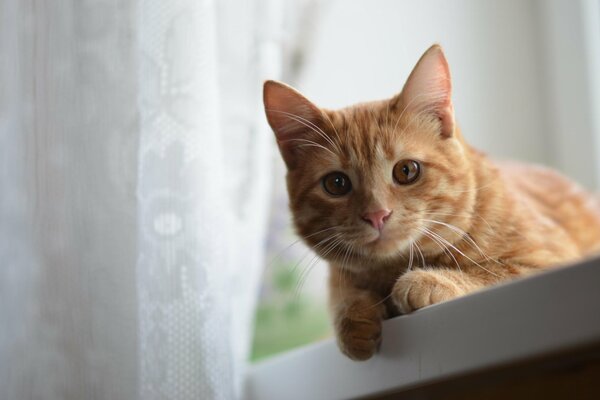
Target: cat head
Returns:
[367, 180]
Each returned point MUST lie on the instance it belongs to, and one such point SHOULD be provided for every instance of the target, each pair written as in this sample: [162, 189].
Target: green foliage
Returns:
[285, 278]
[277, 329]
[286, 319]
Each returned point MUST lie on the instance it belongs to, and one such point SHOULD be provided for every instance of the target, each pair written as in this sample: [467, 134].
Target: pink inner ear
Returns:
[291, 116]
[429, 88]
[290, 122]
[287, 110]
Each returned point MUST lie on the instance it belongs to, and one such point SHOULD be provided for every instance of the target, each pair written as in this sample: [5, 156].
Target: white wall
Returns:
[499, 54]
[571, 49]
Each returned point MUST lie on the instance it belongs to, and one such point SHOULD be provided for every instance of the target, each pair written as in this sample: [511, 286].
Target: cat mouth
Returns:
[387, 241]
[381, 238]
[384, 235]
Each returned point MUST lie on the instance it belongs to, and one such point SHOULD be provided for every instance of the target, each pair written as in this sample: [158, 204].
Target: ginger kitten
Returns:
[407, 213]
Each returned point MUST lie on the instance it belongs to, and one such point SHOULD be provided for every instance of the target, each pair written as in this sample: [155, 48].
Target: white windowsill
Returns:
[554, 311]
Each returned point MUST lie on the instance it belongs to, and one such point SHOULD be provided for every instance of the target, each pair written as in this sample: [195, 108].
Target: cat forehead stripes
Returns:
[365, 140]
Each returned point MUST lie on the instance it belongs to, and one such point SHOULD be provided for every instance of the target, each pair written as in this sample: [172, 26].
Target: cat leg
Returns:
[357, 317]
[423, 287]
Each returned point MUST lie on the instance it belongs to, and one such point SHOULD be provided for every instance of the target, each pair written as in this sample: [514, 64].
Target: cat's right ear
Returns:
[429, 89]
[291, 117]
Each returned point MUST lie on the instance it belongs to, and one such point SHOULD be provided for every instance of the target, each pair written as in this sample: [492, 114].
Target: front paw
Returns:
[419, 288]
[359, 333]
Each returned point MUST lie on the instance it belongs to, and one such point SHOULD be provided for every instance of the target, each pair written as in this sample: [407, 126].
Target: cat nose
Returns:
[377, 218]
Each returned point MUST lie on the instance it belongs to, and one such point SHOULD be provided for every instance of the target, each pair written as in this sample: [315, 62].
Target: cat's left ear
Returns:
[292, 117]
[429, 88]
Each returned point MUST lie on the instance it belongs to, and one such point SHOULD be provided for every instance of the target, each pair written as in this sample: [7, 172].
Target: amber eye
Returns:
[406, 171]
[337, 184]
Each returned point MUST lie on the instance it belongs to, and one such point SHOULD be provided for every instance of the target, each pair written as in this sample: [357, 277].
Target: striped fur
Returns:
[466, 223]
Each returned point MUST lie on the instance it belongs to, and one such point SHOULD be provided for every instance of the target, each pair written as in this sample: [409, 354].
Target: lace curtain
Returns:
[134, 187]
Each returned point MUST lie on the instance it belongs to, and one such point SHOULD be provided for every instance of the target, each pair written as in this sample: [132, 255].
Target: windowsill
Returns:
[526, 319]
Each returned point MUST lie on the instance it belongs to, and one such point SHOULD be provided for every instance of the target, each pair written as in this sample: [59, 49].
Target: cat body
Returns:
[407, 213]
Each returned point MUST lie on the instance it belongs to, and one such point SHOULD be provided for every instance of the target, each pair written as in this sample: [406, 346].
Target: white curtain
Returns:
[134, 187]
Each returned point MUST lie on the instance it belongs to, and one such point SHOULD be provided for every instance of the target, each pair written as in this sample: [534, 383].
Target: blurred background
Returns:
[525, 86]
[146, 249]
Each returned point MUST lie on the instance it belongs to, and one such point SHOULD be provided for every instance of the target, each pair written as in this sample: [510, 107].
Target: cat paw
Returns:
[359, 333]
[419, 288]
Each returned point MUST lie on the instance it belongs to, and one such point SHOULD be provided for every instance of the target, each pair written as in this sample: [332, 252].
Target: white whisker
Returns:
[316, 247]
[464, 236]
[420, 252]
[310, 143]
[310, 125]
[467, 257]
[437, 240]
[335, 131]
[304, 275]
[410, 259]
[278, 255]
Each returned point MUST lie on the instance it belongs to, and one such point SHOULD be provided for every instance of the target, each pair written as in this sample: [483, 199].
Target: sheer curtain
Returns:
[134, 186]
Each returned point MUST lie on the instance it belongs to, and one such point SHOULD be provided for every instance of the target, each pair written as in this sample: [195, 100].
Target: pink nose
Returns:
[377, 218]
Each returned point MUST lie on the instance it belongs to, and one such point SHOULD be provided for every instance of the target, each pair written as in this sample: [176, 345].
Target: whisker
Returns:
[409, 268]
[333, 240]
[311, 125]
[410, 259]
[464, 236]
[316, 247]
[459, 215]
[467, 257]
[279, 254]
[334, 130]
[343, 269]
[444, 248]
[420, 252]
[475, 189]
[310, 143]
[304, 276]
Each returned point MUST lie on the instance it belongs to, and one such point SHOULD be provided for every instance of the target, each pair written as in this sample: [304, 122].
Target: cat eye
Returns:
[406, 171]
[336, 184]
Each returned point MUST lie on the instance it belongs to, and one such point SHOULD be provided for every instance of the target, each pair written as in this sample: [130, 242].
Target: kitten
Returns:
[407, 213]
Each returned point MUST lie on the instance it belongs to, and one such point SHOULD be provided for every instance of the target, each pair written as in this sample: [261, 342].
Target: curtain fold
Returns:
[134, 187]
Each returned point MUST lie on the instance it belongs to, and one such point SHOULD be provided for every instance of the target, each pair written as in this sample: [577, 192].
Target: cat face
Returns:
[371, 179]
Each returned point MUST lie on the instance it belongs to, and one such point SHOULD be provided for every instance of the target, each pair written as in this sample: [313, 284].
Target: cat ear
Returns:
[291, 116]
[429, 88]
